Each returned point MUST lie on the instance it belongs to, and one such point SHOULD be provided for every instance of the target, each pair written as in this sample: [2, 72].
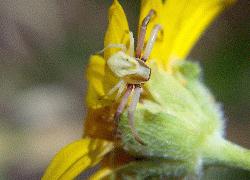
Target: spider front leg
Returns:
[119, 86]
[118, 46]
[151, 42]
[131, 111]
[142, 33]
[131, 44]
[121, 46]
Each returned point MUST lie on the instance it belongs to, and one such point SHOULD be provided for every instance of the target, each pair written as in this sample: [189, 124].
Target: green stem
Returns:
[219, 151]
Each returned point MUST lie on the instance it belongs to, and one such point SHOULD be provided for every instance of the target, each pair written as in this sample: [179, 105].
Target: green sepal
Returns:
[152, 169]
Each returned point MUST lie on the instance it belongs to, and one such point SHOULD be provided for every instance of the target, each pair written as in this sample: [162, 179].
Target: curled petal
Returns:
[117, 33]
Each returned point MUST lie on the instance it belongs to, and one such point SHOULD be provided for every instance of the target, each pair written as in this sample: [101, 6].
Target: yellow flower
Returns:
[183, 22]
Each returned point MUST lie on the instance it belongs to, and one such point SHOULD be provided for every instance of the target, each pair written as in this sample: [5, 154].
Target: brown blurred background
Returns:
[44, 49]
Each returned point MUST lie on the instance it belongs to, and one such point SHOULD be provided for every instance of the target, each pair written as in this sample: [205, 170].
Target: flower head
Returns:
[177, 116]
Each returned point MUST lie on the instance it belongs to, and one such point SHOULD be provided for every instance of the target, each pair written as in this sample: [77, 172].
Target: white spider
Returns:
[132, 70]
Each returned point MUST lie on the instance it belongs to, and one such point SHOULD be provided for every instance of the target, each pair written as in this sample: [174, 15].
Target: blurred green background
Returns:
[44, 50]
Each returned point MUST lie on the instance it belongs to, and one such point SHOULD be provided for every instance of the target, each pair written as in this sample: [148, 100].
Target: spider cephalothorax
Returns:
[132, 70]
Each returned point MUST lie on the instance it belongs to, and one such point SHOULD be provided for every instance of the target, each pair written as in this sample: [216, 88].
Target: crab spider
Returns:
[132, 71]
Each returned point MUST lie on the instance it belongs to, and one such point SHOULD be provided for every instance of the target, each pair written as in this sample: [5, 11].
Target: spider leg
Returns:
[151, 42]
[120, 90]
[131, 44]
[117, 86]
[123, 103]
[142, 33]
[131, 111]
[119, 46]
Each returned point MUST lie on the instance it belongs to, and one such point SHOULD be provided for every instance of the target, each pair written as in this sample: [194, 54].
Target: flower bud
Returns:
[177, 120]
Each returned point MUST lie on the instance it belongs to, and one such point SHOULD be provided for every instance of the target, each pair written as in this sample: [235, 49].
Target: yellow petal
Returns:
[196, 23]
[185, 20]
[117, 32]
[95, 75]
[77, 157]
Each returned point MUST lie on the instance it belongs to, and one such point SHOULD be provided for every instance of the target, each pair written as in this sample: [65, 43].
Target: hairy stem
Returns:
[219, 151]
